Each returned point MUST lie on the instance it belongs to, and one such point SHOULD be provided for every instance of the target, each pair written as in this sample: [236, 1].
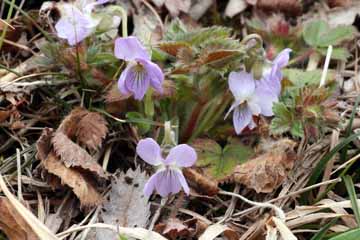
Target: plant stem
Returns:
[12, 4]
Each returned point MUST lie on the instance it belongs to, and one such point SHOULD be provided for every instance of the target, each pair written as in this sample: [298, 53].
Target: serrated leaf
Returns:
[281, 123]
[173, 48]
[217, 56]
[318, 34]
[300, 78]
[297, 129]
[217, 162]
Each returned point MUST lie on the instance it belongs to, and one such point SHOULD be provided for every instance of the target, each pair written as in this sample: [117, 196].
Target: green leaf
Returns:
[349, 235]
[139, 120]
[300, 78]
[321, 233]
[313, 32]
[318, 34]
[336, 35]
[297, 129]
[353, 198]
[322, 163]
[337, 53]
[220, 162]
[282, 121]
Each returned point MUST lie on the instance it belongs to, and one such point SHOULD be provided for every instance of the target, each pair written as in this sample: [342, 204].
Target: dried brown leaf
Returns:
[200, 182]
[173, 48]
[69, 124]
[216, 56]
[91, 130]
[12, 223]
[72, 155]
[268, 170]
[127, 206]
[43, 144]
[81, 184]
[173, 228]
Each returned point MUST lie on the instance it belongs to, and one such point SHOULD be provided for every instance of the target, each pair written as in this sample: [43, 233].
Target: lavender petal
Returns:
[149, 151]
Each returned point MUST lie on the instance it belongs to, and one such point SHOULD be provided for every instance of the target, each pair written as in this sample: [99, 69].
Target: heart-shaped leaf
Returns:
[220, 162]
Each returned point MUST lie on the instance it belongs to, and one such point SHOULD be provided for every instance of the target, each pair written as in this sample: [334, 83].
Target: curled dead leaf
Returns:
[12, 223]
[82, 185]
[89, 128]
[268, 170]
[72, 155]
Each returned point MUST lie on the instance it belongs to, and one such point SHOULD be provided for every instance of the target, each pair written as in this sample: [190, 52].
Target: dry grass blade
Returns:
[38, 227]
[213, 231]
[283, 229]
[12, 224]
[138, 233]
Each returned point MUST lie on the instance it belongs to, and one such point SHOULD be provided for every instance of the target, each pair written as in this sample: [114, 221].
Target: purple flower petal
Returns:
[165, 182]
[149, 151]
[265, 98]
[232, 107]
[134, 79]
[253, 105]
[155, 74]
[241, 84]
[129, 49]
[183, 182]
[183, 155]
[150, 185]
[242, 117]
[282, 59]
[74, 25]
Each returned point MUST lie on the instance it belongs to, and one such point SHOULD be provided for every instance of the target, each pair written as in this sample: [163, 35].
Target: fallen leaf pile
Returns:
[127, 206]
[269, 169]
[63, 153]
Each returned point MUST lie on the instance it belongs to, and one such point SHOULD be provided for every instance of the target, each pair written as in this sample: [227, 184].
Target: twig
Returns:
[279, 212]
[336, 180]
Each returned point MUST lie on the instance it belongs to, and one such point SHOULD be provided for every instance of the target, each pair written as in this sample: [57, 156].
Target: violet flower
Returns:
[140, 72]
[250, 99]
[255, 97]
[273, 75]
[168, 177]
[76, 22]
